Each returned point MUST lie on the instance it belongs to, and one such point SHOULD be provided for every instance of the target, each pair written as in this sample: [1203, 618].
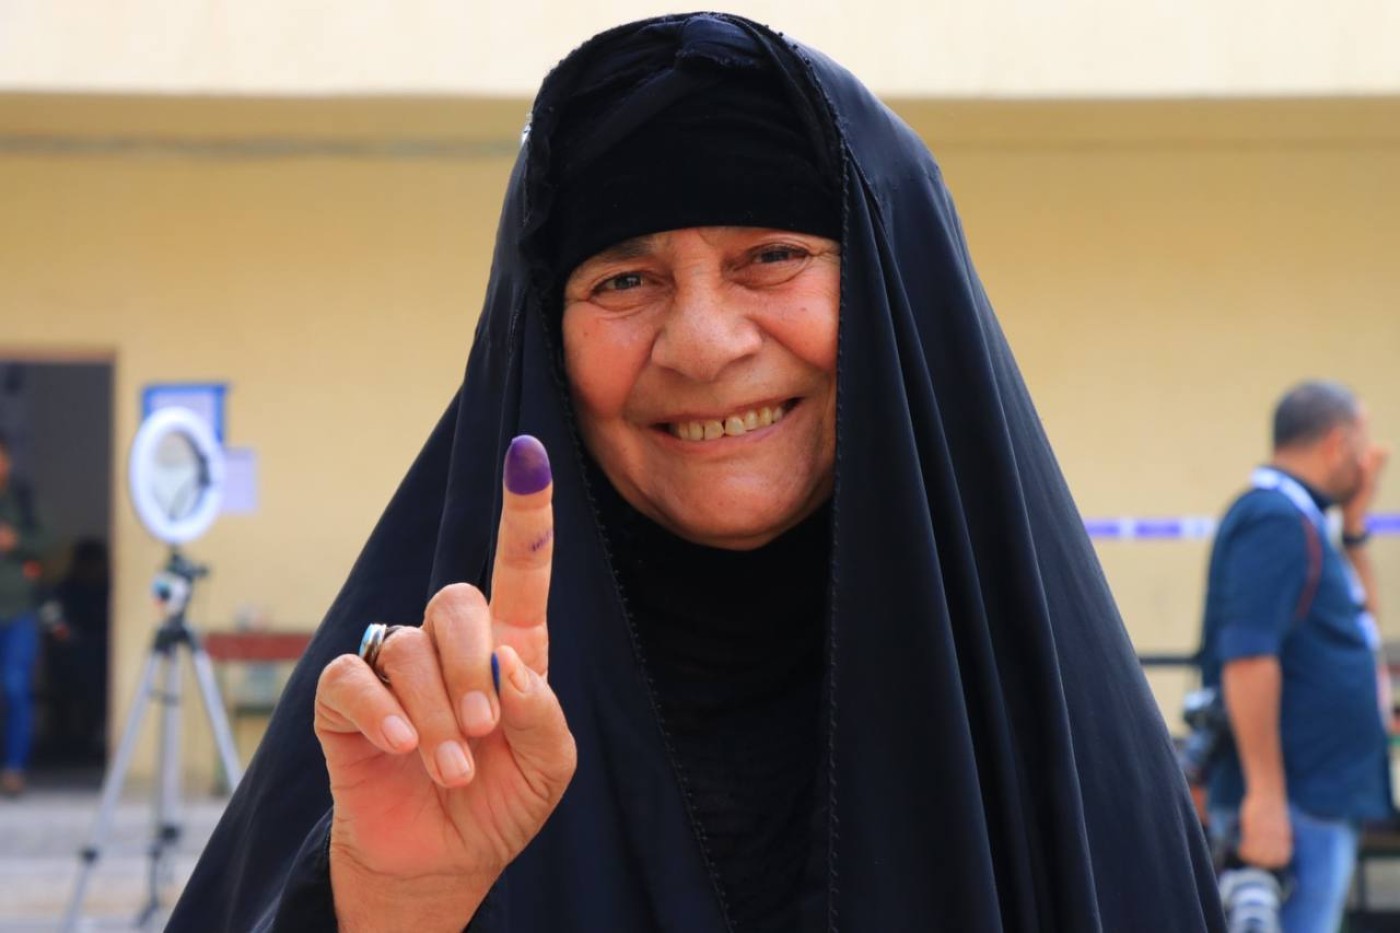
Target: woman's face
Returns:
[703, 369]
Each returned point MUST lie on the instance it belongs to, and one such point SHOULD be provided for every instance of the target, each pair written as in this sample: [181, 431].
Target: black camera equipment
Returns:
[1204, 712]
[1252, 896]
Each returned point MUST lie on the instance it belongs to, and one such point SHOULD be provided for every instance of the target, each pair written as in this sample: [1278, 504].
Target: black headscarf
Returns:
[695, 143]
[994, 758]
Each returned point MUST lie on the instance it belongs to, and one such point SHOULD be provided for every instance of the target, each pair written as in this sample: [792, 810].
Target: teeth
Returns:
[736, 425]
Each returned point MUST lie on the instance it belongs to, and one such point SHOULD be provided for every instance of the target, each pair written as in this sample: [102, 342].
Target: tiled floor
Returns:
[41, 834]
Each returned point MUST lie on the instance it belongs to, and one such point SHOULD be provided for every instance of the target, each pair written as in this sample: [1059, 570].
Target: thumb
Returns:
[534, 727]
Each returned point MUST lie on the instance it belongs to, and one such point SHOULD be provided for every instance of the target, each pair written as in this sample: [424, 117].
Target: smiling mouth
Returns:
[734, 425]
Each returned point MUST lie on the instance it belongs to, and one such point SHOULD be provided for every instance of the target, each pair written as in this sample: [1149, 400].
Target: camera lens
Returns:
[1251, 897]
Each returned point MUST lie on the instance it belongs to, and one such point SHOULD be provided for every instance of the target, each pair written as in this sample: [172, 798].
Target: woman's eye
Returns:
[621, 283]
[772, 254]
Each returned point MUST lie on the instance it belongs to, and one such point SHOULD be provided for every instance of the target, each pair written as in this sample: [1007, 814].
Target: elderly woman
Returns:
[825, 645]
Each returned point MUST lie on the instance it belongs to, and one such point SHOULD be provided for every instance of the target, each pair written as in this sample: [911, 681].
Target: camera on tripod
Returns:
[176, 472]
[175, 581]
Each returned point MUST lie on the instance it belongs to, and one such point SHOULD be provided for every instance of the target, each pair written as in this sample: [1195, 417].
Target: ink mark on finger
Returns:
[527, 466]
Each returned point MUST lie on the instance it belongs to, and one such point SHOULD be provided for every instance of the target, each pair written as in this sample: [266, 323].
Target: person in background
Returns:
[21, 545]
[76, 656]
[1291, 638]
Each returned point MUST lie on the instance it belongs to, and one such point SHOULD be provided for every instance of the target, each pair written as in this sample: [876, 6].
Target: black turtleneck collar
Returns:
[733, 646]
[765, 596]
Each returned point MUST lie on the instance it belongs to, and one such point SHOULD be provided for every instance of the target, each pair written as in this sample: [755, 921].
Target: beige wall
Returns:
[1163, 270]
[336, 293]
[1163, 273]
[996, 48]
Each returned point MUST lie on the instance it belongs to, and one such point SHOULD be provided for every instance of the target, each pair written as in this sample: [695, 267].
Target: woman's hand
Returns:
[440, 777]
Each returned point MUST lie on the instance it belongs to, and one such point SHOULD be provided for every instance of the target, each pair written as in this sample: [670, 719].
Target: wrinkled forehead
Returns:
[632, 248]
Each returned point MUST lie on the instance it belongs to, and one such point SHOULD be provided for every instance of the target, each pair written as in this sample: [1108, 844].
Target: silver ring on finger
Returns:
[371, 643]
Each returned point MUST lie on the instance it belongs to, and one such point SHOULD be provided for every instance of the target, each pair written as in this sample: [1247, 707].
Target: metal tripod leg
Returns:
[214, 710]
[168, 827]
[112, 786]
[166, 830]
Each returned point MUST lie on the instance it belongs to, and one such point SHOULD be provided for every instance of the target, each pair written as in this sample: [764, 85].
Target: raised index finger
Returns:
[524, 551]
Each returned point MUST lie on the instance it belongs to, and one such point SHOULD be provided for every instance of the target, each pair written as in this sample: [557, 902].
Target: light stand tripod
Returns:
[173, 586]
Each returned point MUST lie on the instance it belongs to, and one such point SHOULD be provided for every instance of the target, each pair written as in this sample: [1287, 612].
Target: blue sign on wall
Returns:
[205, 399]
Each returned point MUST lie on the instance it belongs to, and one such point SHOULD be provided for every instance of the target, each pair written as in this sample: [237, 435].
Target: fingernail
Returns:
[527, 466]
[452, 761]
[496, 673]
[397, 732]
[476, 712]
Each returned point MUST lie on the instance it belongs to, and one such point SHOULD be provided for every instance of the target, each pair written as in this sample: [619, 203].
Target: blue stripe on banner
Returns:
[1384, 524]
[1100, 528]
[1164, 528]
[1194, 527]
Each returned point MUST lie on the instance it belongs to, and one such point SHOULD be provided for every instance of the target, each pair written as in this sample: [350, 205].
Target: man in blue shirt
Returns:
[1290, 637]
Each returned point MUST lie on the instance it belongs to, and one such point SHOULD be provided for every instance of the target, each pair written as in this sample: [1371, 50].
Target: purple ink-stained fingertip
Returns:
[496, 673]
[527, 466]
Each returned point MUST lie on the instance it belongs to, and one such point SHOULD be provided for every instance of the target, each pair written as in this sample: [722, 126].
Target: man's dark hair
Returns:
[1309, 410]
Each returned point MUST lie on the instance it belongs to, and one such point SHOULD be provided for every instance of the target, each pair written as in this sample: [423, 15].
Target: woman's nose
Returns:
[704, 331]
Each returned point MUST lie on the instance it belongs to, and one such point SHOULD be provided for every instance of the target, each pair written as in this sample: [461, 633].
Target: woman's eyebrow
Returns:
[634, 248]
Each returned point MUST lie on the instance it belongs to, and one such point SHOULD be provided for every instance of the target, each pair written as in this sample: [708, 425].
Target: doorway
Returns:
[56, 419]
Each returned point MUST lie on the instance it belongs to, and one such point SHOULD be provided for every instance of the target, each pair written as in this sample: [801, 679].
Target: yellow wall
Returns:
[993, 48]
[336, 294]
[1163, 270]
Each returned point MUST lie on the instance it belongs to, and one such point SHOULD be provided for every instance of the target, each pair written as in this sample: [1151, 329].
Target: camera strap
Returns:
[1314, 526]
